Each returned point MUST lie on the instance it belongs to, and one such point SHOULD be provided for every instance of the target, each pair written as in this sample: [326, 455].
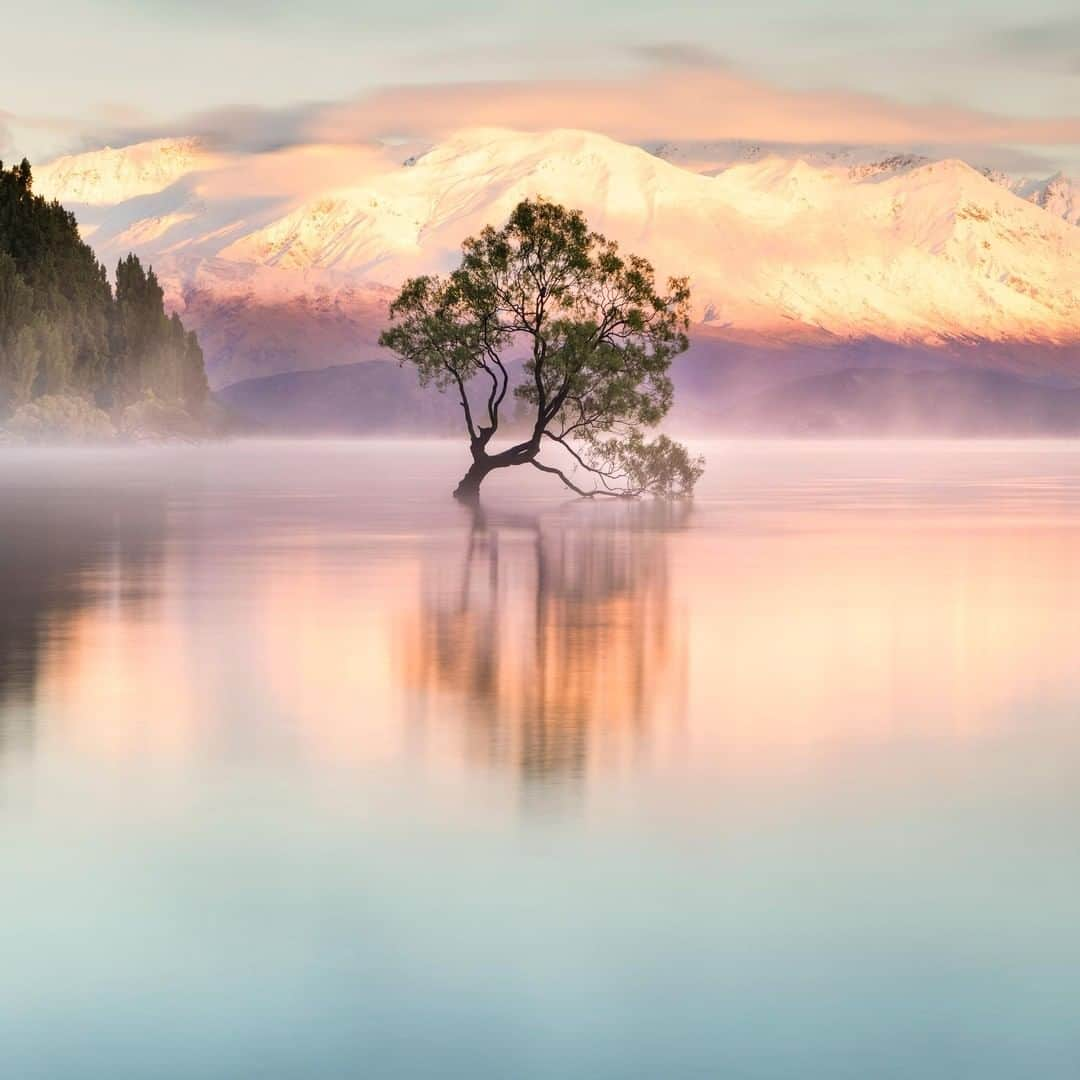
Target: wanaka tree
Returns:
[553, 315]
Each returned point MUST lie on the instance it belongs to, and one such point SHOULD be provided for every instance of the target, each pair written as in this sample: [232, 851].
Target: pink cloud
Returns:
[680, 95]
[694, 102]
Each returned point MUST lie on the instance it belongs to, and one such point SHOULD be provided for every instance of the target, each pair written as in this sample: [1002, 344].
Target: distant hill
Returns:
[380, 398]
[373, 397]
[882, 402]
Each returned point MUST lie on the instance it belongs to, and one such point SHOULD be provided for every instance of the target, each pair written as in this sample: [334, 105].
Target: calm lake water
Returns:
[304, 773]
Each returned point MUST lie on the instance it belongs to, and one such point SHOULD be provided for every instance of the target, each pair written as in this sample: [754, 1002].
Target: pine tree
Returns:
[196, 387]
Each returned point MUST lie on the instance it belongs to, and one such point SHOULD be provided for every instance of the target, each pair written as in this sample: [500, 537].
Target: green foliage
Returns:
[153, 353]
[68, 286]
[61, 329]
[56, 355]
[19, 361]
[16, 298]
[661, 467]
[597, 337]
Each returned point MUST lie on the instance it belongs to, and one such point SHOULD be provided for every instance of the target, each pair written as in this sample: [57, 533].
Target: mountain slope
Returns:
[1059, 196]
[849, 162]
[110, 176]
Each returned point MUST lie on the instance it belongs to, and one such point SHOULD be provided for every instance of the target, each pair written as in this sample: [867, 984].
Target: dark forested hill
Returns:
[66, 335]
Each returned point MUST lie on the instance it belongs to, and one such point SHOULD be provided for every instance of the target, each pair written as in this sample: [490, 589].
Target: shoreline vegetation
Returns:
[83, 360]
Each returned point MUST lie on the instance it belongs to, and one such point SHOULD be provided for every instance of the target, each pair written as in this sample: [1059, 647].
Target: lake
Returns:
[306, 772]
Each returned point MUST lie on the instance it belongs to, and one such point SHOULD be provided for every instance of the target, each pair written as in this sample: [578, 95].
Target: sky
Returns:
[1001, 76]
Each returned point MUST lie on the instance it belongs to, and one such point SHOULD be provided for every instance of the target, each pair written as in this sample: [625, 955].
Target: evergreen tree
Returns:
[18, 368]
[18, 352]
[16, 298]
[56, 359]
[194, 387]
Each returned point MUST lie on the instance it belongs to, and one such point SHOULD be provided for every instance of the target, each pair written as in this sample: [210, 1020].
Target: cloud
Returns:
[674, 100]
[6, 139]
[678, 54]
[1047, 43]
[89, 130]
[253, 128]
[1049, 35]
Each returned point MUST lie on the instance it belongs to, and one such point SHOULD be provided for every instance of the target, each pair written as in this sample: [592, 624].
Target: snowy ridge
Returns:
[107, 177]
[852, 162]
[1060, 196]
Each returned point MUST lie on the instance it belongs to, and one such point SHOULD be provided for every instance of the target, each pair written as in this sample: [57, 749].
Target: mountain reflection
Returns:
[553, 642]
[59, 556]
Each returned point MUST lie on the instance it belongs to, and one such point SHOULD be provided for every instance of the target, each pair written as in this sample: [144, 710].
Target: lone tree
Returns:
[590, 335]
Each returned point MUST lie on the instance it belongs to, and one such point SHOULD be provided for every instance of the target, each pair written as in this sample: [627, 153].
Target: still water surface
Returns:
[305, 773]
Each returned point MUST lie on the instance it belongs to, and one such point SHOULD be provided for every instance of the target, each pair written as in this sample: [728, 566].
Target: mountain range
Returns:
[1058, 194]
[802, 261]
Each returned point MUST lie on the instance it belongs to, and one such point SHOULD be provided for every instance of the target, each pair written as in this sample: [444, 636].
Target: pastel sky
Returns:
[996, 74]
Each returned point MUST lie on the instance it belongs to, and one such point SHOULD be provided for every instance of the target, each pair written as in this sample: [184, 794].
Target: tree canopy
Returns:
[580, 335]
[62, 330]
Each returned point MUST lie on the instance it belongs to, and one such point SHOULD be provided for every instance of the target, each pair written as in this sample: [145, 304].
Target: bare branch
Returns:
[570, 484]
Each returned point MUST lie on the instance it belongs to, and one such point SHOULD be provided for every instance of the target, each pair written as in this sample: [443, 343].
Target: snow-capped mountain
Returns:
[110, 176]
[841, 247]
[1060, 196]
[852, 162]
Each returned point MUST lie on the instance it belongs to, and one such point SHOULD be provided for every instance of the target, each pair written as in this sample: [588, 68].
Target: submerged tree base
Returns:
[627, 468]
[468, 490]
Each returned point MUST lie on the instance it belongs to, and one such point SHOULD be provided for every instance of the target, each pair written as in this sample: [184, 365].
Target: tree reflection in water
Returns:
[554, 640]
[58, 556]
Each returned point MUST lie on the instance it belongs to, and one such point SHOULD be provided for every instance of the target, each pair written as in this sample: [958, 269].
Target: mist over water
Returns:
[307, 771]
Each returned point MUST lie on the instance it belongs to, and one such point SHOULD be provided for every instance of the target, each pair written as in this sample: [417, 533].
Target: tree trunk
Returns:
[468, 491]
